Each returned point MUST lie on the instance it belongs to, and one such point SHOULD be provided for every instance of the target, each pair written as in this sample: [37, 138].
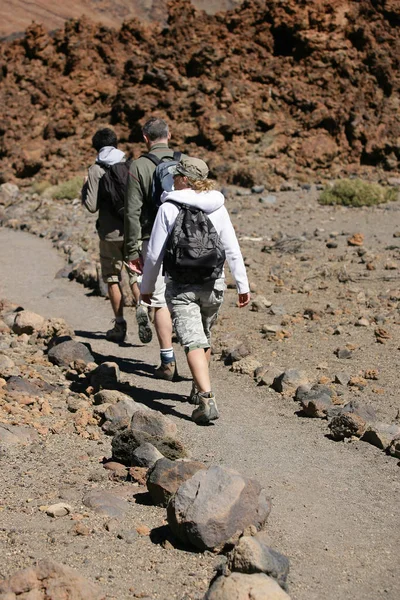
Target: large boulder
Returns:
[126, 442]
[167, 476]
[68, 352]
[153, 423]
[239, 586]
[215, 506]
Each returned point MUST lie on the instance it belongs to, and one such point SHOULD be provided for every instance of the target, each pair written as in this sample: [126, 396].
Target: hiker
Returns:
[140, 213]
[194, 275]
[110, 228]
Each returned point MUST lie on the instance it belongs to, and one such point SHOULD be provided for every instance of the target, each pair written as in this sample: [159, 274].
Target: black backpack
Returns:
[194, 252]
[112, 187]
[163, 181]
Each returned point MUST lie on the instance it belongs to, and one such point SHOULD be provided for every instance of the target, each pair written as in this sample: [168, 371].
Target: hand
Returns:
[244, 299]
[136, 266]
[146, 298]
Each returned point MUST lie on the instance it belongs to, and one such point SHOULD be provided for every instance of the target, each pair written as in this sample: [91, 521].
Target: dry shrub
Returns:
[355, 192]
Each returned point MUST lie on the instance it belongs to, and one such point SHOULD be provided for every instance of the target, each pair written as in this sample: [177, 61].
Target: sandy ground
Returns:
[335, 505]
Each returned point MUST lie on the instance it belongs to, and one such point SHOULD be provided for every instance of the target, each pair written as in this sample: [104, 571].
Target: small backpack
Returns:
[194, 252]
[112, 187]
[163, 181]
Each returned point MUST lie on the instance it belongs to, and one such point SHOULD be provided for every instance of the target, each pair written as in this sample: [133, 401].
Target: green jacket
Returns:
[140, 211]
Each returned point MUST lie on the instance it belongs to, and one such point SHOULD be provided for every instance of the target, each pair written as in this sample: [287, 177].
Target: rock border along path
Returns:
[334, 511]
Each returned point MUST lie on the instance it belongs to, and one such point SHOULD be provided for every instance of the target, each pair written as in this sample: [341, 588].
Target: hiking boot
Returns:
[194, 396]
[166, 371]
[142, 318]
[207, 410]
[118, 333]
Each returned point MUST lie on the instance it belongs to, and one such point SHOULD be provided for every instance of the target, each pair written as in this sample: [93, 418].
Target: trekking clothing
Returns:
[140, 211]
[212, 203]
[118, 332]
[144, 330]
[194, 310]
[158, 299]
[206, 410]
[112, 262]
[166, 371]
[110, 227]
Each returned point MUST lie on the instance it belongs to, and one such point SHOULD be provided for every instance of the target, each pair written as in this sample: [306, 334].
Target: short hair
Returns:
[155, 129]
[104, 137]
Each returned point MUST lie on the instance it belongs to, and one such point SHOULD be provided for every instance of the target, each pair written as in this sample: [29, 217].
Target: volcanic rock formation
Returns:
[270, 91]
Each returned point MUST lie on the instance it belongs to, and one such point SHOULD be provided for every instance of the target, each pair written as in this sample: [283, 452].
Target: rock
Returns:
[347, 425]
[110, 397]
[48, 579]
[246, 366]
[67, 352]
[394, 448]
[239, 586]
[342, 378]
[252, 555]
[153, 423]
[15, 435]
[381, 435]
[257, 189]
[106, 376]
[128, 535]
[357, 239]
[125, 443]
[6, 366]
[267, 374]
[118, 416]
[237, 353]
[27, 322]
[55, 327]
[317, 404]
[58, 510]
[105, 503]
[146, 455]
[289, 380]
[166, 476]
[269, 200]
[343, 353]
[215, 506]
[260, 303]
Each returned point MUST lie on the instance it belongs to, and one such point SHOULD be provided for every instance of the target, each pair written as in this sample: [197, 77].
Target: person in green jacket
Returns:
[140, 214]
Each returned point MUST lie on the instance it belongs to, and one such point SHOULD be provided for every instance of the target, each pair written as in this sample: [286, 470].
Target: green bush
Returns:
[354, 192]
[68, 189]
[38, 187]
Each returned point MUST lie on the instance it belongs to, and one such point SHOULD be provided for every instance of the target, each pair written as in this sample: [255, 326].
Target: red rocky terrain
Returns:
[269, 92]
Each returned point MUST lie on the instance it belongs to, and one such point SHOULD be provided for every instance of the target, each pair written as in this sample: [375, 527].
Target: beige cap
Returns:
[194, 168]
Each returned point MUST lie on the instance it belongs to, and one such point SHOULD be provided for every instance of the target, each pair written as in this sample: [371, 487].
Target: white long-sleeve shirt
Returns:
[212, 203]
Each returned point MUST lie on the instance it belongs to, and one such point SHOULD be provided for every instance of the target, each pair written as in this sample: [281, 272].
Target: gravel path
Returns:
[335, 513]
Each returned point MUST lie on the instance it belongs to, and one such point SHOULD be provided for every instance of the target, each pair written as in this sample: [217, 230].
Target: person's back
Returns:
[194, 304]
[110, 228]
[140, 213]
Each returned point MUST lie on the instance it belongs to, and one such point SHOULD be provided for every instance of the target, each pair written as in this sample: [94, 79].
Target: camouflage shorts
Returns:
[194, 310]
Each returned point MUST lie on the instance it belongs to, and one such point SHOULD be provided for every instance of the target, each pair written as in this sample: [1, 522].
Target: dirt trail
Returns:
[335, 511]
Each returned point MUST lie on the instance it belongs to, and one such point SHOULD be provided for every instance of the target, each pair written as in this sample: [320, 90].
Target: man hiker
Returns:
[110, 228]
[140, 213]
[192, 236]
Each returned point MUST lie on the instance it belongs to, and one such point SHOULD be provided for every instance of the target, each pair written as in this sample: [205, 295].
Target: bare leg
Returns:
[163, 327]
[198, 361]
[136, 293]
[114, 292]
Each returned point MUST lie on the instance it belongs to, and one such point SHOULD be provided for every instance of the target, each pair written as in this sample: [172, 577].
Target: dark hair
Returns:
[104, 137]
[155, 129]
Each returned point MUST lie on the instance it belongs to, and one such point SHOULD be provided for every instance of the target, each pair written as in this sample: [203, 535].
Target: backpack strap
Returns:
[156, 160]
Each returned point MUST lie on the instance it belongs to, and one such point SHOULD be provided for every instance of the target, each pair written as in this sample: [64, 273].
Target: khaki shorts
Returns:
[194, 310]
[112, 262]
[158, 297]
